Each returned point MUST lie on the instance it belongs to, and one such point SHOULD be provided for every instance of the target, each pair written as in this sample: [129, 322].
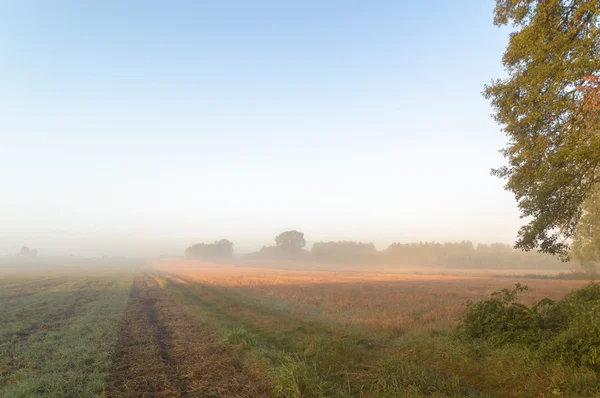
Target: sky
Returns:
[138, 128]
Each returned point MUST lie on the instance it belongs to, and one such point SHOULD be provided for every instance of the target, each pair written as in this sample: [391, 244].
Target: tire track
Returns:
[162, 352]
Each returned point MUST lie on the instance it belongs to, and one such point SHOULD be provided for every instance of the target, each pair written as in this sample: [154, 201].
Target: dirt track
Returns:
[163, 352]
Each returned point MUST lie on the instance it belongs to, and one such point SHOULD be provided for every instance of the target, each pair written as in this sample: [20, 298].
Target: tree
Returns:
[27, 252]
[224, 247]
[290, 241]
[466, 255]
[345, 251]
[586, 240]
[219, 249]
[548, 106]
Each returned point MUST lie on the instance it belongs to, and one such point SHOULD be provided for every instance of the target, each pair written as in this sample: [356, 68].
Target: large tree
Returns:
[586, 241]
[547, 105]
[290, 241]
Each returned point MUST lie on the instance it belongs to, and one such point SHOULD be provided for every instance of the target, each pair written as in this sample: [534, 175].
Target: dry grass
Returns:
[345, 333]
[162, 353]
[384, 300]
[241, 330]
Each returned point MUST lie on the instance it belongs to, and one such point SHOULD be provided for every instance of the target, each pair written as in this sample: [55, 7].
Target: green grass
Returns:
[57, 333]
[306, 356]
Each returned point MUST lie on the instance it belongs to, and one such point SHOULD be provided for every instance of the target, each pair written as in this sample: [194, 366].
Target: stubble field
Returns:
[187, 328]
[57, 330]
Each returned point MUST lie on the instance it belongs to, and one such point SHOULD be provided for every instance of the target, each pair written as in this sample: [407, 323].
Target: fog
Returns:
[128, 203]
[105, 151]
[174, 244]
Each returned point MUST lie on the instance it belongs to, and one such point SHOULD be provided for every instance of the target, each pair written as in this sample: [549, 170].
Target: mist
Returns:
[315, 199]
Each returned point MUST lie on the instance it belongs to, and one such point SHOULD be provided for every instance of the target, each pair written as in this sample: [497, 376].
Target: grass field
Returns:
[58, 330]
[184, 328]
[392, 301]
[347, 334]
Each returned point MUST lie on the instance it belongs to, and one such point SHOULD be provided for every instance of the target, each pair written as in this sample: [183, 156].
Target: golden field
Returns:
[396, 299]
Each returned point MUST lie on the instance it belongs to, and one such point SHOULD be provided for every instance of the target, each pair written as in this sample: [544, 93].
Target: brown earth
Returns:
[163, 352]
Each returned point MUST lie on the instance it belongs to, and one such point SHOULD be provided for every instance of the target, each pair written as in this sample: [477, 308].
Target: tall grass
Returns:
[314, 340]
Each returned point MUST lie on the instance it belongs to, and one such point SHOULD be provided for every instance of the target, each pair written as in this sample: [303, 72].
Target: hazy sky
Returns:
[137, 128]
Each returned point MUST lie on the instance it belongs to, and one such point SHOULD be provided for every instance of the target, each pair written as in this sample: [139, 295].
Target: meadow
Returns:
[351, 334]
[195, 328]
[59, 327]
[381, 300]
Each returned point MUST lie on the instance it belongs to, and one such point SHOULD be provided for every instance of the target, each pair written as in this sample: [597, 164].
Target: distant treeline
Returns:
[432, 254]
[345, 251]
[465, 254]
[220, 249]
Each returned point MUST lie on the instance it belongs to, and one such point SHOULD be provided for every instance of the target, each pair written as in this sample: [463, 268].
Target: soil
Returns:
[164, 352]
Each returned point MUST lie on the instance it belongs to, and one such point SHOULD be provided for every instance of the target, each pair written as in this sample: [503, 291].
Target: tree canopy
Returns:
[27, 252]
[467, 255]
[219, 249]
[549, 107]
[345, 251]
[290, 241]
[586, 241]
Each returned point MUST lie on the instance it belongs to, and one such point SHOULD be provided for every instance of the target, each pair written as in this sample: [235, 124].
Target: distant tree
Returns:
[465, 255]
[549, 108]
[219, 249]
[27, 252]
[224, 247]
[269, 251]
[586, 240]
[345, 251]
[290, 241]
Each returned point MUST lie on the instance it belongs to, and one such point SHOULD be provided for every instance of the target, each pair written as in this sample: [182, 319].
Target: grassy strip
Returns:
[58, 342]
[513, 371]
[305, 357]
[310, 357]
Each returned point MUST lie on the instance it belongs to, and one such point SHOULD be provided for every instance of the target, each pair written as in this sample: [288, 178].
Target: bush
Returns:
[577, 337]
[501, 319]
[568, 329]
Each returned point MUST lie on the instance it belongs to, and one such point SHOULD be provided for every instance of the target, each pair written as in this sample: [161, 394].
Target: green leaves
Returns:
[568, 329]
[546, 107]
[291, 241]
[501, 319]
[586, 241]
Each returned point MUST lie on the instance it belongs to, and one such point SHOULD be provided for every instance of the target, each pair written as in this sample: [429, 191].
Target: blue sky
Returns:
[138, 128]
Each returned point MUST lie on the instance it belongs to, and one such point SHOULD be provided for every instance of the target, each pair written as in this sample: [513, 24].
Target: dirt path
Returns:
[162, 352]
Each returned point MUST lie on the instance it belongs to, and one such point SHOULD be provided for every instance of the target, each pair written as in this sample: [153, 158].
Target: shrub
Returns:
[568, 329]
[501, 319]
[577, 339]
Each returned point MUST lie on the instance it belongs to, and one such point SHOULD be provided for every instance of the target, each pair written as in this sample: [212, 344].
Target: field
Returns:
[186, 328]
[58, 330]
